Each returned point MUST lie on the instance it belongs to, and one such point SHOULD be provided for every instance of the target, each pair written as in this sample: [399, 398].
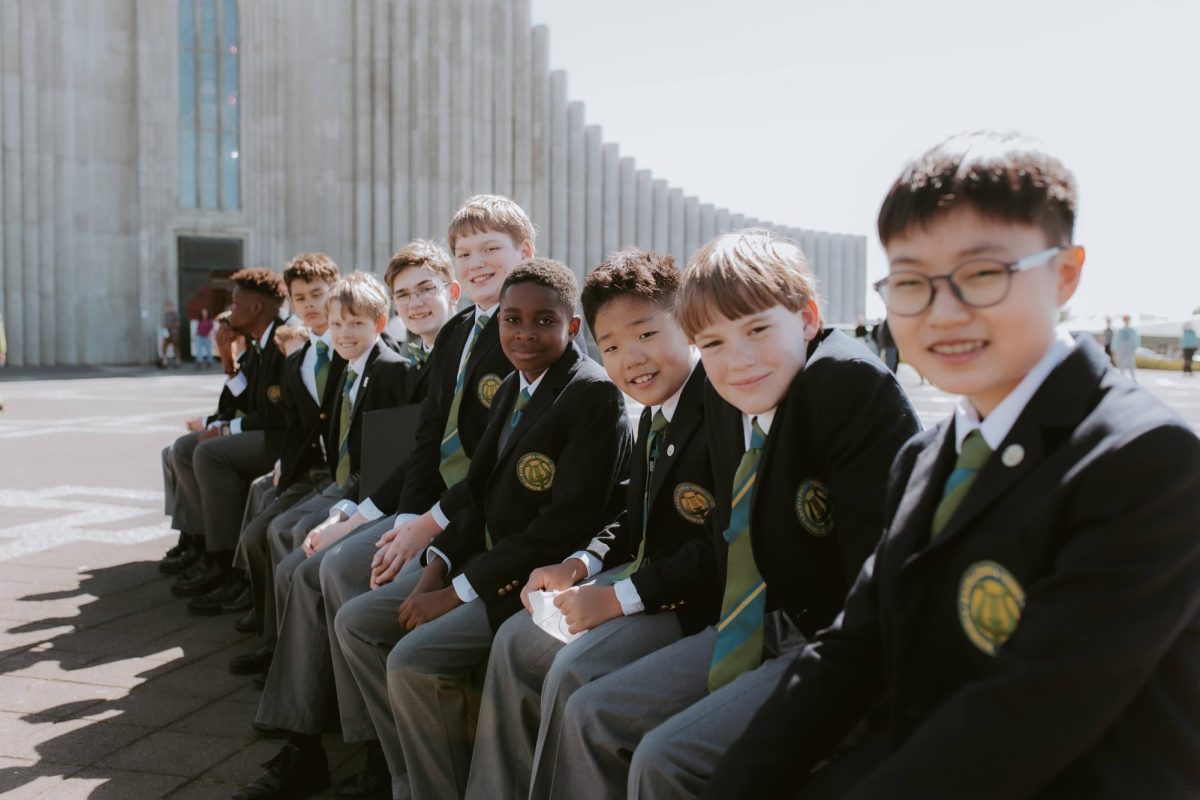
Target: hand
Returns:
[585, 607]
[277, 472]
[211, 433]
[194, 425]
[325, 535]
[553, 578]
[408, 540]
[428, 606]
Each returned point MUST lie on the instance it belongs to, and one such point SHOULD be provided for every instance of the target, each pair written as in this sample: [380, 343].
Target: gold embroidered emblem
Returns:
[693, 502]
[814, 507]
[535, 472]
[990, 601]
[488, 385]
[274, 394]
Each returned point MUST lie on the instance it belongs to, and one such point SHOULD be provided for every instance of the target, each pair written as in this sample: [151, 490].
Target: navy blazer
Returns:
[301, 448]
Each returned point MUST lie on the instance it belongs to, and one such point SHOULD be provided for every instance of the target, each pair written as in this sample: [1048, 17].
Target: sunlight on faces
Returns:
[982, 353]
[482, 262]
[535, 330]
[421, 315]
[645, 352]
[244, 307]
[308, 303]
[751, 361]
[353, 335]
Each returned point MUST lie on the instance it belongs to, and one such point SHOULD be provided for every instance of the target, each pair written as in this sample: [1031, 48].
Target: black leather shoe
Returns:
[243, 602]
[373, 783]
[269, 733]
[247, 624]
[250, 663]
[295, 772]
[214, 601]
[199, 582]
[176, 562]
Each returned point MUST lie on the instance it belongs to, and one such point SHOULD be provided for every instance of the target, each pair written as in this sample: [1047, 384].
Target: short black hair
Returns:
[630, 272]
[1002, 176]
[554, 275]
[262, 281]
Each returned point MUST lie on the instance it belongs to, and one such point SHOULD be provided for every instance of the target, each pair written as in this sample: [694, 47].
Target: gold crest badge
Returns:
[693, 502]
[488, 385]
[814, 507]
[274, 394]
[990, 601]
[535, 472]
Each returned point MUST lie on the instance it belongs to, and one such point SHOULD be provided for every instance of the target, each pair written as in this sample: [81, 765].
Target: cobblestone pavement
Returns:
[108, 688]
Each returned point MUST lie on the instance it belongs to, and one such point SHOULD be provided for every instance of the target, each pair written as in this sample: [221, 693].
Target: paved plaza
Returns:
[108, 688]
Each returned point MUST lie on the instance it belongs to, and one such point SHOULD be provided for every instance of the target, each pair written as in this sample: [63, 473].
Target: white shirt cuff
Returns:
[593, 564]
[237, 384]
[628, 597]
[235, 426]
[438, 516]
[464, 590]
[216, 423]
[347, 507]
[369, 510]
[433, 551]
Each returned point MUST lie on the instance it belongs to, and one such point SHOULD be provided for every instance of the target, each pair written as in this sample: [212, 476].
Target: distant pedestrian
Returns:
[203, 342]
[887, 346]
[1106, 339]
[860, 330]
[3, 343]
[1187, 343]
[1125, 343]
[169, 338]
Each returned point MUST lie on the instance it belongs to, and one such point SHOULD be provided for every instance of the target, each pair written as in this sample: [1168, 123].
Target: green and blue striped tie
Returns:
[417, 353]
[454, 463]
[519, 407]
[657, 426]
[321, 370]
[343, 463]
[743, 607]
[974, 455]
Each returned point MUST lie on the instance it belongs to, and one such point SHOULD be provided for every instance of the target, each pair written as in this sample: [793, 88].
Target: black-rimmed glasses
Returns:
[979, 283]
[426, 293]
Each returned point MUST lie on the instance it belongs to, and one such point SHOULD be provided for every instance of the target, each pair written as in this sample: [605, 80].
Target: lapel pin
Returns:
[1013, 454]
[670, 450]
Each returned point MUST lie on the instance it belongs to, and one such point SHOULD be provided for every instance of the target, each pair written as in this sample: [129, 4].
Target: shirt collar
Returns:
[764, 421]
[995, 428]
[326, 337]
[266, 337]
[671, 403]
[532, 387]
[359, 364]
[488, 312]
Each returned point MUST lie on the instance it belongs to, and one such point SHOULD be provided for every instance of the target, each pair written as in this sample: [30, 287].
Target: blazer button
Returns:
[323, 415]
[503, 590]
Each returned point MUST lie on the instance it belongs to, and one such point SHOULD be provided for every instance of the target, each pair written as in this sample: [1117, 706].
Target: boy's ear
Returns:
[381, 322]
[526, 249]
[1070, 270]
[573, 327]
[811, 313]
[455, 289]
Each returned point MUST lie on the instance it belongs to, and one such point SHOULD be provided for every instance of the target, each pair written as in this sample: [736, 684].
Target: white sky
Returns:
[802, 112]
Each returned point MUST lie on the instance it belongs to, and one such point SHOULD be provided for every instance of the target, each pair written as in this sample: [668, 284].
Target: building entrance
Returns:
[205, 264]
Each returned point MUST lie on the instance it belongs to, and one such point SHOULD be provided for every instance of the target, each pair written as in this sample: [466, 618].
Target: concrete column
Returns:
[861, 287]
[594, 225]
[576, 188]
[539, 125]
[50, 34]
[853, 285]
[444, 204]
[691, 227]
[402, 173]
[361, 100]
[675, 230]
[421, 153]
[627, 234]
[462, 73]
[662, 219]
[611, 236]
[824, 259]
[483, 57]
[708, 222]
[559, 166]
[381, 126]
[523, 88]
[737, 222]
[502, 97]
[645, 210]
[721, 221]
[28, 118]
[5, 46]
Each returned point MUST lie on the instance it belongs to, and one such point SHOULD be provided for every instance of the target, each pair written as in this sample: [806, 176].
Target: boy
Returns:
[803, 423]
[1031, 609]
[556, 446]
[649, 552]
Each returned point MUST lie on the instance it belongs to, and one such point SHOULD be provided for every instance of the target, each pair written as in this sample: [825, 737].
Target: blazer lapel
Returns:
[914, 514]
[488, 339]
[637, 472]
[683, 425]
[556, 378]
[364, 382]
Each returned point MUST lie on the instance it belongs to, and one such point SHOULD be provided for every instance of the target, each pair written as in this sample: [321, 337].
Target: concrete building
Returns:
[150, 147]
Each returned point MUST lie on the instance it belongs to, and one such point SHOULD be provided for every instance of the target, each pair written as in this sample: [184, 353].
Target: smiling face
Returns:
[483, 261]
[535, 330]
[353, 335]
[982, 353]
[423, 301]
[308, 303]
[752, 360]
[644, 351]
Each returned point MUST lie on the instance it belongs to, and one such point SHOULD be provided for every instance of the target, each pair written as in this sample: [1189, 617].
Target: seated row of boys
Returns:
[717, 662]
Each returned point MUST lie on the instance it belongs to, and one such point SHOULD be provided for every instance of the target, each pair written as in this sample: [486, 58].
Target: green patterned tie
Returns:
[743, 607]
[657, 426]
[454, 462]
[519, 407]
[343, 462]
[417, 353]
[321, 370]
[974, 455]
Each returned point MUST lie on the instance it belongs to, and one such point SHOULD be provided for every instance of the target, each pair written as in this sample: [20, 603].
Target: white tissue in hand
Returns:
[547, 616]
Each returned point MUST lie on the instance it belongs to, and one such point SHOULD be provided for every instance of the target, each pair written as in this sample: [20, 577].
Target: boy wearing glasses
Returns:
[1030, 614]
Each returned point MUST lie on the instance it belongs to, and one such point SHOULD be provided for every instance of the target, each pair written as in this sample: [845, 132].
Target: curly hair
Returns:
[310, 267]
[554, 275]
[262, 281]
[630, 272]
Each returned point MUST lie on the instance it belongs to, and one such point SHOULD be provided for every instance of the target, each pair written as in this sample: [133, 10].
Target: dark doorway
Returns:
[205, 264]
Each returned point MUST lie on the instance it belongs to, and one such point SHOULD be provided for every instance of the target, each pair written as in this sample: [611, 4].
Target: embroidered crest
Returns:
[693, 502]
[814, 507]
[990, 601]
[274, 394]
[488, 385]
[535, 472]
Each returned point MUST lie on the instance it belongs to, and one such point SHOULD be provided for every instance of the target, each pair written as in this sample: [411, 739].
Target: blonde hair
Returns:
[743, 273]
[490, 212]
[284, 334]
[419, 253]
[360, 294]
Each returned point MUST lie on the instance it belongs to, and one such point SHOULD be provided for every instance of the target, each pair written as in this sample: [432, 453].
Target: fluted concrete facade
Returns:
[364, 123]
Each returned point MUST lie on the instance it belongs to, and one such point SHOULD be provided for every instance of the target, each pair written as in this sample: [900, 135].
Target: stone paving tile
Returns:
[202, 790]
[124, 673]
[102, 643]
[24, 778]
[173, 753]
[224, 717]
[146, 707]
[66, 741]
[100, 783]
[153, 622]
[41, 577]
[200, 681]
[33, 696]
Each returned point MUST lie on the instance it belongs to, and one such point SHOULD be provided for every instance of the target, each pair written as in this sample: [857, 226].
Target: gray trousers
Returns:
[300, 683]
[656, 722]
[171, 507]
[224, 468]
[262, 493]
[530, 676]
[187, 492]
[286, 533]
[254, 549]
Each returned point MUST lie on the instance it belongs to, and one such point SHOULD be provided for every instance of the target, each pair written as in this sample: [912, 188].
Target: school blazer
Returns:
[261, 404]
[384, 385]
[1047, 644]
[554, 483]
[301, 448]
[416, 484]
[226, 402]
[678, 572]
[818, 504]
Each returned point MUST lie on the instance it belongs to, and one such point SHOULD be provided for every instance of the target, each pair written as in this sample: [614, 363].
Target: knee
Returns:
[308, 575]
[206, 456]
[345, 625]
[652, 752]
[580, 713]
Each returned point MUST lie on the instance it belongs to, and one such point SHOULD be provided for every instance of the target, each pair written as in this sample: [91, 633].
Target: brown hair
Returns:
[288, 333]
[554, 275]
[490, 212]
[360, 295]
[419, 253]
[630, 272]
[1002, 176]
[260, 280]
[310, 267]
[742, 273]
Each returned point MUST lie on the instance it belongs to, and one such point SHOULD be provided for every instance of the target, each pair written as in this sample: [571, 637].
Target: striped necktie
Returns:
[321, 370]
[454, 463]
[343, 463]
[519, 407]
[974, 455]
[657, 426]
[743, 607]
[417, 353]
